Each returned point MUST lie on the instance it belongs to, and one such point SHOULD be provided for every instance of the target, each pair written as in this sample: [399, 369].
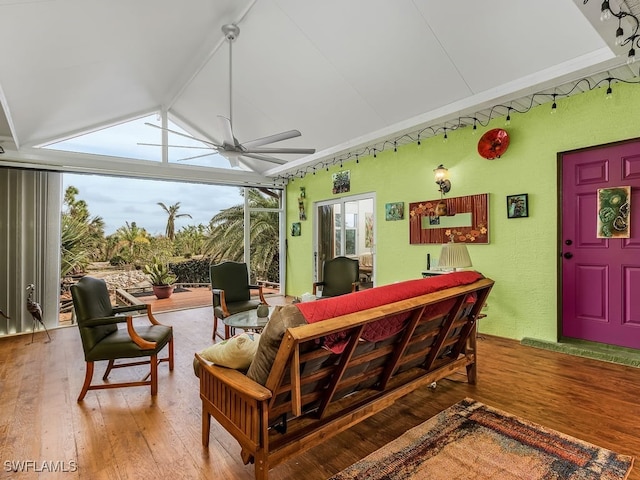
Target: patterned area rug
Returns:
[472, 440]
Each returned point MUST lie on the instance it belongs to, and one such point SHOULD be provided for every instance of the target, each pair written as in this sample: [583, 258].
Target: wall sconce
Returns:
[441, 174]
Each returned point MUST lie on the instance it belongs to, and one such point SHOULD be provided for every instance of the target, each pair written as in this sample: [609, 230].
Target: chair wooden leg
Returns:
[87, 381]
[227, 330]
[108, 370]
[154, 375]
[171, 355]
[215, 327]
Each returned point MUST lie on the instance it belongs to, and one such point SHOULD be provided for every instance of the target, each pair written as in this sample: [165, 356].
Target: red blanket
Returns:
[374, 297]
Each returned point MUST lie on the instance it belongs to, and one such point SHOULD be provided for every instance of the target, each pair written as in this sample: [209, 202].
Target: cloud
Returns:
[119, 200]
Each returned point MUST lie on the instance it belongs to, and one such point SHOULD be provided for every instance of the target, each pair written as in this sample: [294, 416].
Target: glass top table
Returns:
[248, 320]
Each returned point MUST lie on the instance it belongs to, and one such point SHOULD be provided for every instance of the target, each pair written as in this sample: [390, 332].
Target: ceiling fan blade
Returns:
[174, 146]
[278, 137]
[305, 151]
[264, 158]
[196, 156]
[254, 165]
[225, 130]
[207, 142]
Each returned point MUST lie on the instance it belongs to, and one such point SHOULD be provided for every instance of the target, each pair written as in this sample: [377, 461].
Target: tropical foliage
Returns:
[159, 273]
[190, 240]
[226, 241]
[83, 239]
[82, 236]
[132, 242]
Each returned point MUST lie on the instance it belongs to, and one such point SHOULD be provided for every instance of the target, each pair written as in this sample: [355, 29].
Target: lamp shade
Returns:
[454, 255]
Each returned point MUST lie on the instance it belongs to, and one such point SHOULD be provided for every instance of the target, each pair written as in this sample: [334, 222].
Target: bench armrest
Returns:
[235, 380]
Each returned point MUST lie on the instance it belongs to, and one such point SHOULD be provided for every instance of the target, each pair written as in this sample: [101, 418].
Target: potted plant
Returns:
[161, 279]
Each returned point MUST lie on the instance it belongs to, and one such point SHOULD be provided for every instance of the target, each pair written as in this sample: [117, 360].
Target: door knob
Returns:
[568, 255]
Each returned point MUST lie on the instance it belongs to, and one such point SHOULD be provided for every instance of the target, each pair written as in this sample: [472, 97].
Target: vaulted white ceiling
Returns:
[343, 72]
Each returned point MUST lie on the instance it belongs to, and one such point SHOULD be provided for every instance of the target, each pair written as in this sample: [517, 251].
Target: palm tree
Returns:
[172, 210]
[133, 238]
[226, 240]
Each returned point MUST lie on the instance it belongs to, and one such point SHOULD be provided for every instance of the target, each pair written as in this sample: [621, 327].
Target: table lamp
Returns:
[454, 256]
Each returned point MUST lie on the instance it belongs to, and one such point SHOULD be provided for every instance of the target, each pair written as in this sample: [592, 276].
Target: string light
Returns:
[605, 11]
[475, 126]
[619, 33]
[633, 38]
[578, 86]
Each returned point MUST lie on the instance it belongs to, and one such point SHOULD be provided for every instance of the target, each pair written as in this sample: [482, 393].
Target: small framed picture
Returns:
[518, 205]
[394, 211]
[296, 229]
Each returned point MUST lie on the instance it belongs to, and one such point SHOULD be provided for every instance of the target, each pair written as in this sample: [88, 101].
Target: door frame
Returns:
[342, 200]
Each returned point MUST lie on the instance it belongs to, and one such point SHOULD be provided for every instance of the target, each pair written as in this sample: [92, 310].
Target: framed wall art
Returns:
[614, 212]
[341, 181]
[518, 205]
[394, 211]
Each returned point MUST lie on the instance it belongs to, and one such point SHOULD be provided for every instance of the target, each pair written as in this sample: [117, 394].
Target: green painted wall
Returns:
[522, 256]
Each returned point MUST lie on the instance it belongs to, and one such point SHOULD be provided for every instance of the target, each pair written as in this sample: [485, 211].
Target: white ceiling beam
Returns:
[106, 165]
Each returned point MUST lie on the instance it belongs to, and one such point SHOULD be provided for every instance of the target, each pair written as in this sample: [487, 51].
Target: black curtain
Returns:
[326, 237]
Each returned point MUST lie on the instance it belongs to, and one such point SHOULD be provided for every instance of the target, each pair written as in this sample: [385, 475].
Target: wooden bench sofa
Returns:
[326, 377]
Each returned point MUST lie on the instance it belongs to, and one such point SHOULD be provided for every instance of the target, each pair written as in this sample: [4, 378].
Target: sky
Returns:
[119, 200]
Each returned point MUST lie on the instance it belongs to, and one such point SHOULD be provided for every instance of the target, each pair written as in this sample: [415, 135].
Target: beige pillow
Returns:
[283, 317]
[236, 352]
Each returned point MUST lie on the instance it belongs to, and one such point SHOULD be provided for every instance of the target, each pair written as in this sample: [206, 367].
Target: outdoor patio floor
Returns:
[195, 297]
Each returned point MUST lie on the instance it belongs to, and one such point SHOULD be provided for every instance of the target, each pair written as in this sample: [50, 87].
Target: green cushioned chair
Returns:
[231, 293]
[340, 275]
[102, 339]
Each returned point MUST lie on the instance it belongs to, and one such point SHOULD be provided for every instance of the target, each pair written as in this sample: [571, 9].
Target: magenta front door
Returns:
[600, 276]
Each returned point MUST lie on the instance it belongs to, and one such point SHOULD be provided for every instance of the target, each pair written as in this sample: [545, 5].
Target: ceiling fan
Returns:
[230, 147]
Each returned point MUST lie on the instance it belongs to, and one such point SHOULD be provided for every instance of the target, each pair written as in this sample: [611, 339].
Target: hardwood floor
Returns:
[124, 433]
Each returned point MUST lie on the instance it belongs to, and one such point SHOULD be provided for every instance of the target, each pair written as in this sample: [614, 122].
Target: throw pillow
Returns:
[282, 318]
[236, 352]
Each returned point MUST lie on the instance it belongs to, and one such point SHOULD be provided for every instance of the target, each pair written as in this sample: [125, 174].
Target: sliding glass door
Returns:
[345, 227]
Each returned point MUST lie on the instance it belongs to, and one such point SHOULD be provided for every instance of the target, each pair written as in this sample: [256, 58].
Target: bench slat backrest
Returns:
[306, 377]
